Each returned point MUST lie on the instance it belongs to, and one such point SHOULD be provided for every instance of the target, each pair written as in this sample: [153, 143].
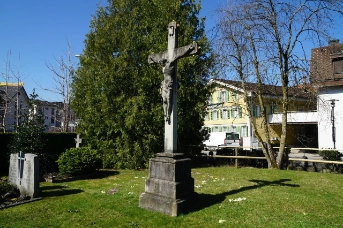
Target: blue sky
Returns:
[38, 30]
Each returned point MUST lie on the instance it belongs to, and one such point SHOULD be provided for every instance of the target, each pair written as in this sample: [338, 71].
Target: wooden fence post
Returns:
[236, 160]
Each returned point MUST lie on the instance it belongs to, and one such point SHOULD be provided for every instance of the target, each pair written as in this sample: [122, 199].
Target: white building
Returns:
[50, 115]
[327, 77]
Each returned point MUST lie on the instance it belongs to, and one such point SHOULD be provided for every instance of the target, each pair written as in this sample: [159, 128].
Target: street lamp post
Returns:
[333, 122]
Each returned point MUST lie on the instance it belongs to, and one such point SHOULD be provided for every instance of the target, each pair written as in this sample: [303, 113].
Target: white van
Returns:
[221, 139]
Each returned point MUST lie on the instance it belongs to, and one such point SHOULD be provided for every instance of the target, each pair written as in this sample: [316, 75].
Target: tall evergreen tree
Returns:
[115, 90]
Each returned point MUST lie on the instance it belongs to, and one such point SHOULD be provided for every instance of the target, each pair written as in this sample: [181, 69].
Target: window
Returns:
[52, 111]
[234, 95]
[47, 108]
[215, 129]
[337, 66]
[238, 129]
[224, 114]
[272, 108]
[206, 116]
[244, 131]
[224, 129]
[239, 112]
[256, 111]
[209, 100]
[214, 115]
[222, 96]
[52, 120]
[236, 112]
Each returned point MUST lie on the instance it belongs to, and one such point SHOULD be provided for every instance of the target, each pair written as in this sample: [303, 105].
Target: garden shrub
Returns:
[76, 161]
[330, 155]
[5, 187]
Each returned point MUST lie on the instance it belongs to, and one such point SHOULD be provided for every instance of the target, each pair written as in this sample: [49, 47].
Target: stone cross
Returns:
[21, 159]
[168, 61]
[78, 140]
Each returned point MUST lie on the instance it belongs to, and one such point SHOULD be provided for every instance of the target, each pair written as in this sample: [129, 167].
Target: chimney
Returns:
[333, 42]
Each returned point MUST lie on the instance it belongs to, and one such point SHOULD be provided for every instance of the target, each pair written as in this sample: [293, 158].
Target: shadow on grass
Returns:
[207, 200]
[57, 190]
[99, 174]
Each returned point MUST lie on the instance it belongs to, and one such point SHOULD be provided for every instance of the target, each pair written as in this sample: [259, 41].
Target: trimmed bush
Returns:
[57, 143]
[76, 161]
[330, 155]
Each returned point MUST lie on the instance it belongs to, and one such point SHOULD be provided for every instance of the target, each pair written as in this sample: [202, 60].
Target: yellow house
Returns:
[227, 112]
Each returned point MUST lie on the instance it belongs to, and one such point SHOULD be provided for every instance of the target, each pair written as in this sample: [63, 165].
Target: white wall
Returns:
[324, 117]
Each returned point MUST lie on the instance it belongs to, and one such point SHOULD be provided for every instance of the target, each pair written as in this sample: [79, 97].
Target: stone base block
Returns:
[168, 206]
[170, 187]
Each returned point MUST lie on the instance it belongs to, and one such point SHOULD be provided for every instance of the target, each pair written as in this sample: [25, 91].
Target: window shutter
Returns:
[221, 114]
[210, 115]
[240, 112]
[238, 129]
[254, 111]
[220, 129]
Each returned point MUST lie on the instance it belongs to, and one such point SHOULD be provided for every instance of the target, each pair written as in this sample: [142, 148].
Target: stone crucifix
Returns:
[78, 140]
[21, 159]
[168, 61]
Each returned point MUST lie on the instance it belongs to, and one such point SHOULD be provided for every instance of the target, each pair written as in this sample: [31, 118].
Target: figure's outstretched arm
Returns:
[191, 49]
[157, 58]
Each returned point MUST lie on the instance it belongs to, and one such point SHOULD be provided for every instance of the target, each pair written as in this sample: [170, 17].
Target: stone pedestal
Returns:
[170, 186]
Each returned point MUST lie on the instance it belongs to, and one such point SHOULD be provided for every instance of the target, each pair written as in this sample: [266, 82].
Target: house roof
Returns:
[271, 90]
[12, 89]
[324, 61]
[57, 104]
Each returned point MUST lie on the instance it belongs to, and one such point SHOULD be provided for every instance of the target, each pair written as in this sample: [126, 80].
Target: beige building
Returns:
[228, 112]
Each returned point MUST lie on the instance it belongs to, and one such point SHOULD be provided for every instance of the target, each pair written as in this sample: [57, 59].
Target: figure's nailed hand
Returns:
[162, 62]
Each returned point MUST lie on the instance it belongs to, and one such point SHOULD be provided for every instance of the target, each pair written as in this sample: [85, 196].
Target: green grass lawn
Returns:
[269, 198]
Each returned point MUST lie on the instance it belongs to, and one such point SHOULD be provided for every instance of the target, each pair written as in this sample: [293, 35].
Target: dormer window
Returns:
[337, 65]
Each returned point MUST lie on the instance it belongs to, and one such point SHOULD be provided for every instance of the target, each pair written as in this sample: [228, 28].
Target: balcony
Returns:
[295, 117]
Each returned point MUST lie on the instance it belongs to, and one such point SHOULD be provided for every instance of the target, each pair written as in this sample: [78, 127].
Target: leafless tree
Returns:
[263, 41]
[62, 76]
[8, 100]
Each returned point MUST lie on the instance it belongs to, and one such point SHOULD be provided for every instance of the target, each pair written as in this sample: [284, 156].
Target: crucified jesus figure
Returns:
[168, 61]
[168, 69]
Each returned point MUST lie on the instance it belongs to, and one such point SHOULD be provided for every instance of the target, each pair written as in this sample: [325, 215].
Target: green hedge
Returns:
[5, 139]
[81, 160]
[56, 144]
